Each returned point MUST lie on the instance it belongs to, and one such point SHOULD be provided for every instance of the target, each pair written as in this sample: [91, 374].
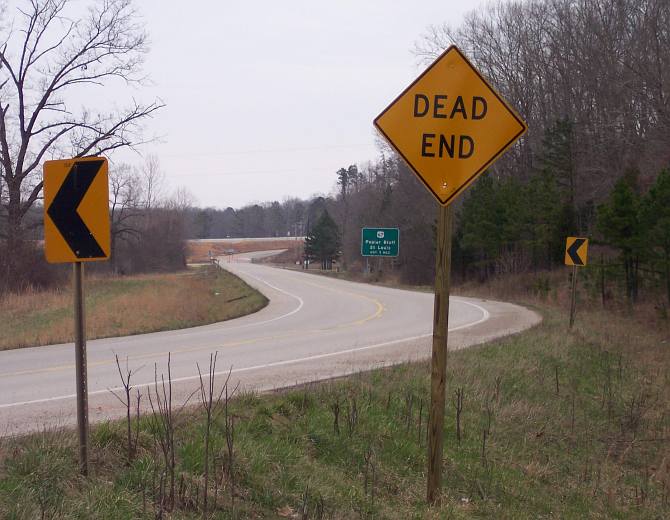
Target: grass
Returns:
[127, 305]
[555, 424]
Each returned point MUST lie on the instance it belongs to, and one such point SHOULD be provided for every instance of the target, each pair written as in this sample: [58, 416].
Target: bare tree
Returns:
[153, 181]
[48, 53]
[601, 65]
[125, 206]
[3, 203]
[181, 200]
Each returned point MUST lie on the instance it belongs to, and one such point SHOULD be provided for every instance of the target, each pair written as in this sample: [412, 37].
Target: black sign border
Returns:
[467, 183]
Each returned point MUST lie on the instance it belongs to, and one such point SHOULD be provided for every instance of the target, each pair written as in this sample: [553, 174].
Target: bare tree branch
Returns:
[54, 50]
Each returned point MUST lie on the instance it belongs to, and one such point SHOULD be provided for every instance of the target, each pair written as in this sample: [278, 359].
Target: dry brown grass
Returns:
[287, 258]
[31, 299]
[127, 305]
[198, 251]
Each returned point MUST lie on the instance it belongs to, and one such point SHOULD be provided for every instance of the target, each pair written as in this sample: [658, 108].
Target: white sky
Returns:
[268, 99]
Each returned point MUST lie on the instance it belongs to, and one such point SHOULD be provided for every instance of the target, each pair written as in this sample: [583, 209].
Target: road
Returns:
[314, 328]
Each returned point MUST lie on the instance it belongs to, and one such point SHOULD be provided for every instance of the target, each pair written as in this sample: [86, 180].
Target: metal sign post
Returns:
[77, 230]
[573, 297]
[80, 362]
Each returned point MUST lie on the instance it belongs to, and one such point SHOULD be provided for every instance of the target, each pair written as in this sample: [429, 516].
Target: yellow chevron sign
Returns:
[576, 251]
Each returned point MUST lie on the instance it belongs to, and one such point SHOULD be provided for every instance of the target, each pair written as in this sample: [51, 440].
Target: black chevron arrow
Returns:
[63, 210]
[572, 251]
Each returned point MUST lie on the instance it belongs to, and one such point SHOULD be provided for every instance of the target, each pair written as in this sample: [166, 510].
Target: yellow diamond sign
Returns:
[450, 125]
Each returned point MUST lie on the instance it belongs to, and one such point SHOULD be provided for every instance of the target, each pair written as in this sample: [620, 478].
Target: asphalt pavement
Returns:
[314, 328]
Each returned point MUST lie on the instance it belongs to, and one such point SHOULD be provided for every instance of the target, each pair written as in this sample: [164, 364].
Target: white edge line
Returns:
[297, 309]
[224, 372]
[485, 316]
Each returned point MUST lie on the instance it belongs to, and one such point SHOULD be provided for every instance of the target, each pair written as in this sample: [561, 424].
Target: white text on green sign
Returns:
[380, 241]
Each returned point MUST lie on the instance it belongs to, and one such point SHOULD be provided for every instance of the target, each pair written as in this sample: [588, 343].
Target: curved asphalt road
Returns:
[314, 328]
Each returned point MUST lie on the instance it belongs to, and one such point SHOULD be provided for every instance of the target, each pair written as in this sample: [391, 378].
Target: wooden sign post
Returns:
[449, 126]
[438, 372]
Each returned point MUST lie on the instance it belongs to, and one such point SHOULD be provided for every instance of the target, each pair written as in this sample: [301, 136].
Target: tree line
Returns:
[592, 79]
[148, 225]
[290, 217]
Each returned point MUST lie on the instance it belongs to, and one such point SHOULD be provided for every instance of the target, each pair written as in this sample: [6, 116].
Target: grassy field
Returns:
[554, 424]
[198, 251]
[127, 305]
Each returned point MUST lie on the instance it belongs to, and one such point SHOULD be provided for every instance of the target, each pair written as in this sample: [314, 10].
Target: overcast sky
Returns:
[266, 100]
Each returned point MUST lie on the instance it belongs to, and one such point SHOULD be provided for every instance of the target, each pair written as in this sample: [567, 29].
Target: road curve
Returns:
[314, 328]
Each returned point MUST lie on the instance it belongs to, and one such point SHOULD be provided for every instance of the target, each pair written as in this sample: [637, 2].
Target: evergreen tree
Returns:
[557, 162]
[353, 177]
[344, 179]
[323, 243]
[343, 182]
[620, 227]
[482, 225]
[655, 218]
[546, 219]
[203, 223]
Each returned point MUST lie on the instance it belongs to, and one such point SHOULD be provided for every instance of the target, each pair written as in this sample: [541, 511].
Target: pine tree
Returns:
[655, 218]
[546, 216]
[482, 225]
[323, 243]
[619, 225]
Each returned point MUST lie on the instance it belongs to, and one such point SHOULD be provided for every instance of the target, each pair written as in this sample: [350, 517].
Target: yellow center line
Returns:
[378, 312]
[110, 361]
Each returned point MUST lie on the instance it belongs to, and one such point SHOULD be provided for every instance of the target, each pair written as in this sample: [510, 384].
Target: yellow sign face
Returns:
[450, 125]
[76, 210]
[576, 251]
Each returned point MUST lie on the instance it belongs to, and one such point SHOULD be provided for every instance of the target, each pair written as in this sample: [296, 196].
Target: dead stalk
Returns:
[458, 404]
[125, 400]
[336, 415]
[229, 421]
[420, 419]
[211, 403]
[163, 425]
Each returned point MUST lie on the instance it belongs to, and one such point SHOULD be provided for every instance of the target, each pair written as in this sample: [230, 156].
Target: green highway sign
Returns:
[380, 241]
